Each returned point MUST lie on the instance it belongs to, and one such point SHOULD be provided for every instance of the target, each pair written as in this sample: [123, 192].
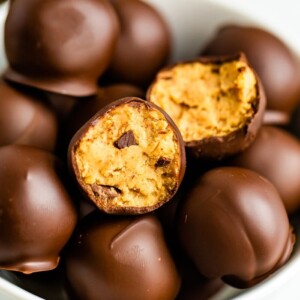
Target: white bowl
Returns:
[192, 23]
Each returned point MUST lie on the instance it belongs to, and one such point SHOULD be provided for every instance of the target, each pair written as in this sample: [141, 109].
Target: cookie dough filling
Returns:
[129, 157]
[207, 99]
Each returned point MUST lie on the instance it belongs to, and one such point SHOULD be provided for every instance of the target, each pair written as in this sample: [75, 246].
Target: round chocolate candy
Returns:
[60, 46]
[143, 45]
[129, 158]
[275, 154]
[233, 225]
[273, 61]
[217, 103]
[37, 215]
[121, 258]
[25, 120]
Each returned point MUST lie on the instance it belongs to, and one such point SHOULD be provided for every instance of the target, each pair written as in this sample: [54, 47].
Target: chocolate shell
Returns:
[37, 215]
[275, 154]
[217, 102]
[121, 258]
[129, 158]
[25, 120]
[60, 46]
[233, 225]
[275, 64]
[143, 46]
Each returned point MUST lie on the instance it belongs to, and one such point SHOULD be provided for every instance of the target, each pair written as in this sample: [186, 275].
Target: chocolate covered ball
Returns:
[25, 120]
[37, 214]
[233, 225]
[275, 154]
[143, 45]
[129, 158]
[217, 102]
[121, 258]
[60, 46]
[275, 64]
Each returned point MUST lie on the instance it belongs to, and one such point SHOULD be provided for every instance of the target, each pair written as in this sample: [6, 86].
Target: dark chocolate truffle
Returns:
[275, 154]
[233, 225]
[273, 61]
[129, 158]
[121, 258]
[37, 215]
[60, 46]
[143, 46]
[216, 102]
[25, 120]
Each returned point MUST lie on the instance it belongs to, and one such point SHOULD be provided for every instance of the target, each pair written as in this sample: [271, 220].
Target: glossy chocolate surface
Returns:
[109, 197]
[60, 46]
[25, 120]
[275, 154]
[233, 225]
[121, 258]
[38, 215]
[143, 46]
[275, 64]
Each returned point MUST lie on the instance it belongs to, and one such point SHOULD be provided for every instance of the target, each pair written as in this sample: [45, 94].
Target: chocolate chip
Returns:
[162, 162]
[105, 191]
[127, 139]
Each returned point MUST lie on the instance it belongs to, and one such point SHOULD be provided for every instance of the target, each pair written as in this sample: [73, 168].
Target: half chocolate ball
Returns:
[129, 158]
[217, 102]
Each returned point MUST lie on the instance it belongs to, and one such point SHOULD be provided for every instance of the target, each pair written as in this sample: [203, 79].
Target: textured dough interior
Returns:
[138, 175]
[207, 100]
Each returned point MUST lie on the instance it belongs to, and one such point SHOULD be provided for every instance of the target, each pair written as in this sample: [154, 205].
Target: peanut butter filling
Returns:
[207, 100]
[129, 157]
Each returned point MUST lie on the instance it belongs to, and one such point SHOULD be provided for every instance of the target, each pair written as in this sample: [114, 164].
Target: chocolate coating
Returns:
[25, 120]
[143, 46]
[60, 46]
[294, 125]
[37, 214]
[274, 63]
[276, 117]
[121, 258]
[233, 225]
[129, 158]
[275, 154]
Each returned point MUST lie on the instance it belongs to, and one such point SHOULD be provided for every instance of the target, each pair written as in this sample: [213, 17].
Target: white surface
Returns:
[193, 22]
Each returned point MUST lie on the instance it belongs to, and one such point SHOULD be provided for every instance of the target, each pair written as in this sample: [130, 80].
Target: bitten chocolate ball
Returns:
[121, 258]
[216, 102]
[143, 46]
[60, 46]
[275, 64]
[129, 158]
[275, 154]
[37, 215]
[25, 120]
[233, 225]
